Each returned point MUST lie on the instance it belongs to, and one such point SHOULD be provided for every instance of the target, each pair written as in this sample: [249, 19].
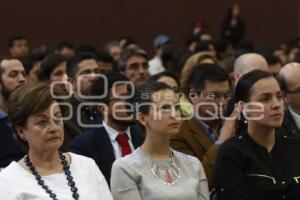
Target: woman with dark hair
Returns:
[155, 171]
[45, 172]
[53, 68]
[258, 164]
[233, 27]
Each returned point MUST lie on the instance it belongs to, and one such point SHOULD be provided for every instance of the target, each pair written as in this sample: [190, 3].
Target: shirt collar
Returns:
[4, 118]
[211, 135]
[3, 114]
[296, 116]
[203, 125]
[112, 133]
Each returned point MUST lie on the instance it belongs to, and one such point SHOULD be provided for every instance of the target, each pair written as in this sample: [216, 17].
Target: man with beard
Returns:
[117, 137]
[12, 75]
[82, 69]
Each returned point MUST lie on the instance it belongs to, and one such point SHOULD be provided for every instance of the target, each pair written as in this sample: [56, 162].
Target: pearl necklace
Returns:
[41, 182]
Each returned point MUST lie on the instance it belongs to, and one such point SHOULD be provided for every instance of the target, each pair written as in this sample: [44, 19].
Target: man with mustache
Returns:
[82, 69]
[134, 65]
[118, 136]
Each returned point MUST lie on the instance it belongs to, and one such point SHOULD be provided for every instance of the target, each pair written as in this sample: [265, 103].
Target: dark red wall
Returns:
[99, 21]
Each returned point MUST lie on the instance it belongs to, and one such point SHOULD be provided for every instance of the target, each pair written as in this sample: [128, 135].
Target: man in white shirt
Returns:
[117, 136]
[156, 64]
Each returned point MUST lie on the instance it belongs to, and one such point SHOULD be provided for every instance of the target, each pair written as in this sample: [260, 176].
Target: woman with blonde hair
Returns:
[186, 72]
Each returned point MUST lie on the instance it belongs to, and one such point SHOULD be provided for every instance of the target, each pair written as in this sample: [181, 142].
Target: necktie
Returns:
[122, 140]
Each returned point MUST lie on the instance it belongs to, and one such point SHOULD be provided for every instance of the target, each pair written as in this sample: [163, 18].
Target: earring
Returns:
[23, 138]
[245, 121]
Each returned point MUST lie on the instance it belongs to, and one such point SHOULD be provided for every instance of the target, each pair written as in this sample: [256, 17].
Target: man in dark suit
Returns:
[82, 70]
[12, 75]
[290, 85]
[116, 136]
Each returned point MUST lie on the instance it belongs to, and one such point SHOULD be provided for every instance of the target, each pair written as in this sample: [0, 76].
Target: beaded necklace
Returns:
[41, 182]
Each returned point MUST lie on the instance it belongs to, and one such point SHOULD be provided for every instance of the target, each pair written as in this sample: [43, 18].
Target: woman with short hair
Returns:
[45, 172]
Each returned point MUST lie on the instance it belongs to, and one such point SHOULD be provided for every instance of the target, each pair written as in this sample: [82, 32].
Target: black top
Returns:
[233, 33]
[245, 170]
[10, 150]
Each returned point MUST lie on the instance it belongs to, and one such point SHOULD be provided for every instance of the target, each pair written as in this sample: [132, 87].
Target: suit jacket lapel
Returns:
[105, 146]
[290, 123]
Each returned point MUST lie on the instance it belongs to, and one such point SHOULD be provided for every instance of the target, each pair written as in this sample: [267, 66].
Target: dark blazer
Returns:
[289, 126]
[95, 143]
[72, 128]
[10, 150]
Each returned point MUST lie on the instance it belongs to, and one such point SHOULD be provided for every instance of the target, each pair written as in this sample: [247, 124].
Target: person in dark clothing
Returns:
[82, 70]
[258, 164]
[233, 26]
[290, 85]
[12, 75]
[118, 135]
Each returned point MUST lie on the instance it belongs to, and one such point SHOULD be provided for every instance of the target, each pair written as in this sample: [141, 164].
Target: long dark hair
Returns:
[242, 92]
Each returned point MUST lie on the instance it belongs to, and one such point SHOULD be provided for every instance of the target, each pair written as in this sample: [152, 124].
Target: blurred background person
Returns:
[233, 26]
[18, 47]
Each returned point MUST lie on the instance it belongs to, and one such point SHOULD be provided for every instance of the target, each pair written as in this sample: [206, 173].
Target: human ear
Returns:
[20, 132]
[285, 98]
[142, 119]
[193, 96]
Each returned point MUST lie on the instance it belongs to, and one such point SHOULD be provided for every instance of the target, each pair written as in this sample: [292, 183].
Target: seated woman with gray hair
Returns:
[45, 172]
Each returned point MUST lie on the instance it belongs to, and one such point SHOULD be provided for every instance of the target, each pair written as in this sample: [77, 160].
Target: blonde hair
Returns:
[191, 63]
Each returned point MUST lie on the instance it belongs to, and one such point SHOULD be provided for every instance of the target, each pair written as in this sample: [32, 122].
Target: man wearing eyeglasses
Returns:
[134, 65]
[200, 136]
[290, 85]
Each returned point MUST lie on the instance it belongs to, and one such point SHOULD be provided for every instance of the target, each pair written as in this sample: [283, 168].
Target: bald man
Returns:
[289, 78]
[244, 64]
[248, 62]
